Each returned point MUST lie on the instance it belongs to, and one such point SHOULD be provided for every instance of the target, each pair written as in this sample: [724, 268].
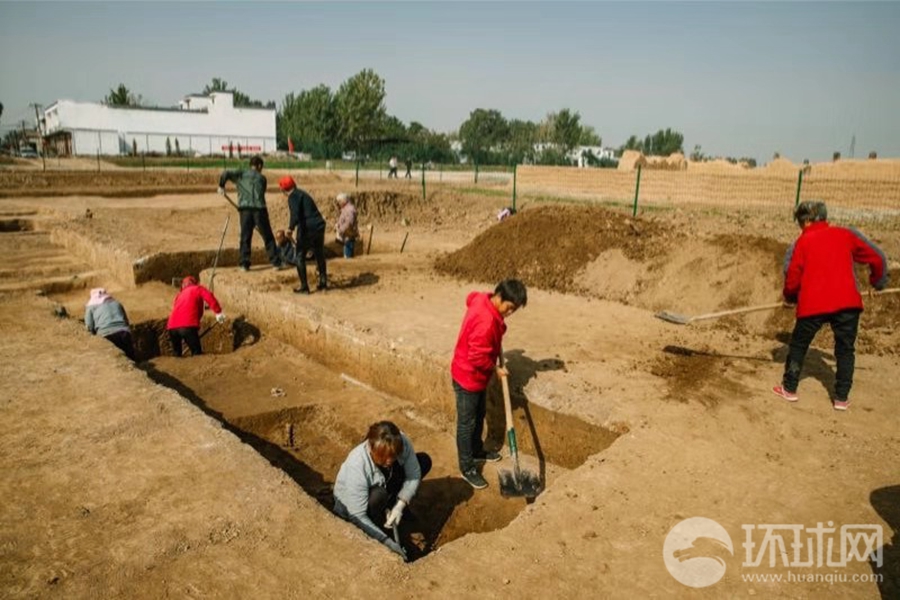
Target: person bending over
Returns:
[377, 482]
[104, 315]
[184, 322]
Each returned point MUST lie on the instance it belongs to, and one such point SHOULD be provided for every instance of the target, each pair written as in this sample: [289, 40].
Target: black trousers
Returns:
[257, 218]
[844, 325]
[314, 241]
[122, 340]
[382, 499]
[471, 408]
[190, 336]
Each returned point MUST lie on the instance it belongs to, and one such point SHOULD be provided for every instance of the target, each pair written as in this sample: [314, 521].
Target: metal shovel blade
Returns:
[673, 317]
[518, 483]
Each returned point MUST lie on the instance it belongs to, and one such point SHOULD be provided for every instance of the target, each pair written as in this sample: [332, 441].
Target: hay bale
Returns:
[781, 166]
[631, 160]
[677, 161]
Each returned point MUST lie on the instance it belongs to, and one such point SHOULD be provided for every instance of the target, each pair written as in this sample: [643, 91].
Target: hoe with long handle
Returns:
[212, 276]
[684, 320]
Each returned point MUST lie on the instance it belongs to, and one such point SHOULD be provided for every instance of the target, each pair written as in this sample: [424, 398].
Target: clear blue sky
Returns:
[741, 79]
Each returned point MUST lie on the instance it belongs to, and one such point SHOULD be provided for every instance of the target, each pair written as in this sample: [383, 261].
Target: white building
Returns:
[578, 154]
[202, 124]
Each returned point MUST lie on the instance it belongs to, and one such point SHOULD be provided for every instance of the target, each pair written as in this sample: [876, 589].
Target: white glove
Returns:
[395, 547]
[221, 191]
[395, 514]
[220, 318]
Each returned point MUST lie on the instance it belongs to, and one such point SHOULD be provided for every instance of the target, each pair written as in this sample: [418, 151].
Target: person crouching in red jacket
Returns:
[474, 362]
[184, 322]
[820, 280]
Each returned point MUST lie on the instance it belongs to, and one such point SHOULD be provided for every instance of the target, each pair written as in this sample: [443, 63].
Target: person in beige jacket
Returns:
[347, 228]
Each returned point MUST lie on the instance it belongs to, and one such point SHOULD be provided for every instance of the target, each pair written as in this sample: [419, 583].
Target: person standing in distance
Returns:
[820, 279]
[251, 187]
[347, 228]
[310, 226]
[474, 362]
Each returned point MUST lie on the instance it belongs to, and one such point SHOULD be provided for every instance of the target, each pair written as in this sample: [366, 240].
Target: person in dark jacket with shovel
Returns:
[310, 226]
[251, 187]
[474, 362]
[184, 322]
[378, 481]
[820, 279]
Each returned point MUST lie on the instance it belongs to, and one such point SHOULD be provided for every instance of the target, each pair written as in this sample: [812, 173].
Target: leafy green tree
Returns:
[519, 145]
[310, 120]
[589, 137]
[241, 100]
[122, 96]
[662, 143]
[177, 147]
[426, 145]
[481, 132]
[360, 109]
[1, 109]
[168, 147]
[697, 155]
[632, 143]
[566, 129]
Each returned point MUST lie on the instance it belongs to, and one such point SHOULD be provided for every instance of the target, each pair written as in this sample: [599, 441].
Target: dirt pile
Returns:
[547, 246]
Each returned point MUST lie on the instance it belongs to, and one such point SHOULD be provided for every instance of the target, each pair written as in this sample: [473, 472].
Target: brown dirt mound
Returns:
[547, 246]
[385, 204]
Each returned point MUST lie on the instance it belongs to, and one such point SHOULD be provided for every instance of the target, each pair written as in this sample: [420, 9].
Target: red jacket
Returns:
[478, 344]
[819, 273]
[188, 307]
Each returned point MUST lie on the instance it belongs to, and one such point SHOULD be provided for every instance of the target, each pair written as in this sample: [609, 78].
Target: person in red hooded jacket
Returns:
[187, 310]
[820, 279]
[474, 362]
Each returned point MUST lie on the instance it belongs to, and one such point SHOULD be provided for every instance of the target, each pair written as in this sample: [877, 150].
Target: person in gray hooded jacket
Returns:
[105, 316]
[378, 480]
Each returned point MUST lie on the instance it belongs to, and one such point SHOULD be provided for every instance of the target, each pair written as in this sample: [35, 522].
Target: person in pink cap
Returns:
[105, 316]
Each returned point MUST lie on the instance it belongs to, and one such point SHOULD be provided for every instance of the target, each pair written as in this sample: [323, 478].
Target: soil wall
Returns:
[117, 262]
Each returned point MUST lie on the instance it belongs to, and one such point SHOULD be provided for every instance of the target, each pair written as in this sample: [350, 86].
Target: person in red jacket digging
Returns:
[184, 322]
[820, 279]
[474, 362]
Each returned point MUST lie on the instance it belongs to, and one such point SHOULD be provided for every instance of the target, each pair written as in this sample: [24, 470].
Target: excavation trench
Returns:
[15, 225]
[275, 392]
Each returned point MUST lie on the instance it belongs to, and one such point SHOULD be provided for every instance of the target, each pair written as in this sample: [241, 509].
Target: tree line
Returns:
[328, 123]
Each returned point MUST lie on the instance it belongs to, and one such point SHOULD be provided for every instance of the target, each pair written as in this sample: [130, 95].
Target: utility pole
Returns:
[40, 130]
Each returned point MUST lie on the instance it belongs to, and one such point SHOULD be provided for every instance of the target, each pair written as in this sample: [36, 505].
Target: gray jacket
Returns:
[106, 318]
[358, 474]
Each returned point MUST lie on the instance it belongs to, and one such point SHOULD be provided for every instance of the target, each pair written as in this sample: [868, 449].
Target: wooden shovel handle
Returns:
[737, 311]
